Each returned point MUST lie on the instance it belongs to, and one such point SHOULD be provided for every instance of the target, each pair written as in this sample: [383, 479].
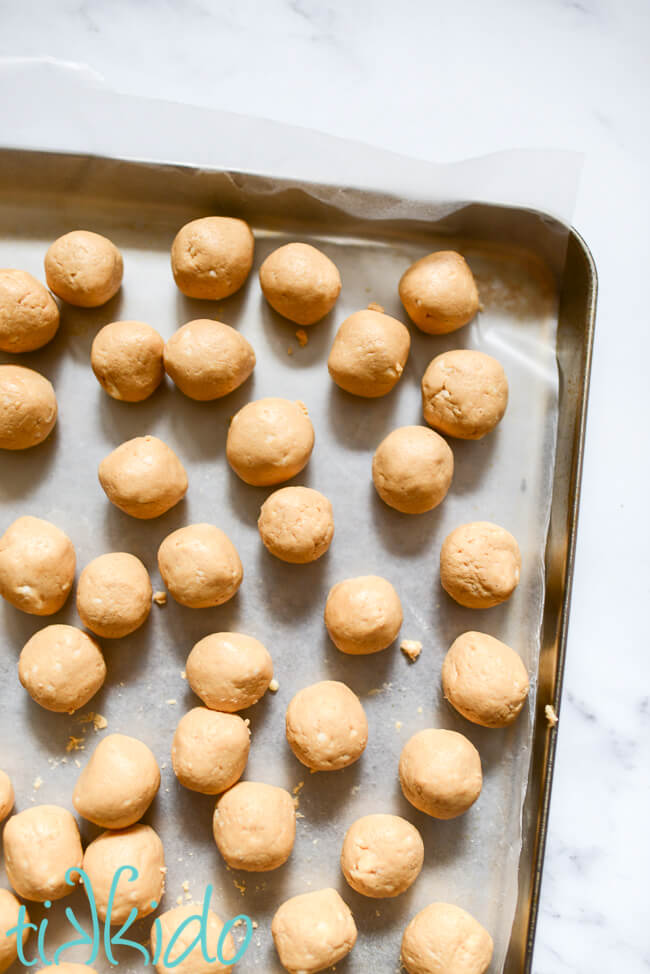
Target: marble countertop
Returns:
[444, 82]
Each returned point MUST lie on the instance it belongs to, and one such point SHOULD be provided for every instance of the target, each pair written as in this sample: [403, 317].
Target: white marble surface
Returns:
[447, 81]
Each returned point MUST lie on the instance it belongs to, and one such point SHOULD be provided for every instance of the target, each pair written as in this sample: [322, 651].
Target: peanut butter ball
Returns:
[464, 393]
[480, 564]
[37, 566]
[363, 615]
[212, 257]
[369, 353]
[444, 938]
[84, 268]
[40, 845]
[118, 784]
[114, 595]
[6, 795]
[296, 524]
[61, 668]
[210, 750]
[9, 911]
[254, 826]
[270, 441]
[229, 671]
[300, 282]
[412, 469]
[484, 680]
[28, 408]
[439, 292]
[194, 962]
[326, 726]
[440, 773]
[382, 855]
[139, 847]
[313, 931]
[29, 315]
[127, 359]
[200, 566]
[208, 360]
[143, 477]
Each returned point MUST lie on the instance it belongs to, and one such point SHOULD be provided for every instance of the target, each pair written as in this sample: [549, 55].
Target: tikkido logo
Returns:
[163, 951]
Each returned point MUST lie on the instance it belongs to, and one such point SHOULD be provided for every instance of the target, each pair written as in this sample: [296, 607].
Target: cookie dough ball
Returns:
[484, 680]
[194, 962]
[6, 795]
[270, 441]
[363, 615]
[439, 292]
[9, 911]
[313, 931]
[114, 595]
[296, 524]
[127, 359]
[207, 359]
[212, 257]
[84, 268]
[326, 726]
[200, 566]
[440, 773]
[143, 477]
[28, 408]
[229, 671]
[444, 938]
[369, 353]
[40, 845]
[139, 847]
[254, 826]
[37, 566]
[464, 393]
[480, 564]
[29, 316]
[118, 784]
[300, 283]
[382, 855]
[412, 469]
[210, 750]
[62, 668]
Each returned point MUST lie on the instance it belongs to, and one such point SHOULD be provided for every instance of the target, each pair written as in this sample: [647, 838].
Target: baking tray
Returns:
[139, 198]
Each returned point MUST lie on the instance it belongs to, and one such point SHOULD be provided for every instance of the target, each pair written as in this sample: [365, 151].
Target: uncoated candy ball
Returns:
[212, 257]
[84, 268]
[37, 566]
[28, 408]
[29, 316]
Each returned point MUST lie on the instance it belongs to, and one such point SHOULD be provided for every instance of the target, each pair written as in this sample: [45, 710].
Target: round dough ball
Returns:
[7, 796]
[480, 564]
[127, 359]
[439, 292]
[62, 668]
[254, 826]
[326, 726]
[229, 671]
[296, 524]
[28, 408]
[484, 680]
[139, 847]
[37, 566]
[444, 938]
[412, 469]
[114, 595]
[166, 926]
[300, 282]
[84, 268]
[382, 855]
[40, 845]
[29, 315]
[9, 910]
[363, 615]
[270, 441]
[68, 968]
[143, 477]
[210, 750]
[212, 257]
[118, 784]
[369, 353]
[200, 566]
[464, 393]
[313, 931]
[207, 359]
[440, 773]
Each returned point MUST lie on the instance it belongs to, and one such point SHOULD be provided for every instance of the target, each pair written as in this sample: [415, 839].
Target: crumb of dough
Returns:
[373, 306]
[37, 783]
[188, 897]
[77, 762]
[186, 886]
[419, 710]
[160, 597]
[75, 744]
[411, 649]
[299, 787]
[241, 887]
[290, 350]
[382, 689]
[274, 686]
[299, 814]
[398, 725]
[302, 337]
[254, 924]
[183, 675]
[171, 703]
[97, 720]
[551, 716]
[179, 900]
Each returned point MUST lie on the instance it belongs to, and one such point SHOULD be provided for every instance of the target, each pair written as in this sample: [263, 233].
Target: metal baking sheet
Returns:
[516, 477]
